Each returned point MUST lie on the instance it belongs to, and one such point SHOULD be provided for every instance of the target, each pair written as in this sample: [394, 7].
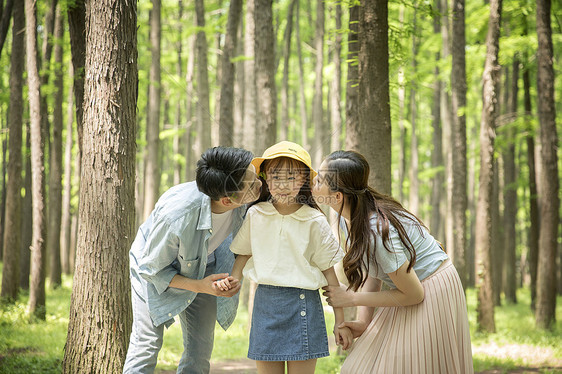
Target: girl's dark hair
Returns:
[305, 194]
[220, 171]
[348, 173]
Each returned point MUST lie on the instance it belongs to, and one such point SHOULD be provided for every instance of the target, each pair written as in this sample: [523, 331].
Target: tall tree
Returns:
[352, 91]
[37, 289]
[485, 307]
[55, 173]
[77, 31]
[27, 216]
[152, 155]
[12, 236]
[100, 311]
[374, 102]
[335, 85]
[549, 179]
[5, 16]
[66, 214]
[302, 97]
[320, 145]
[250, 102]
[226, 123]
[266, 125]
[285, 85]
[414, 152]
[178, 123]
[202, 108]
[458, 101]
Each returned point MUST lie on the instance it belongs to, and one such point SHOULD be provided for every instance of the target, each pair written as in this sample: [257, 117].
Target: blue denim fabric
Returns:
[287, 325]
[173, 240]
[198, 326]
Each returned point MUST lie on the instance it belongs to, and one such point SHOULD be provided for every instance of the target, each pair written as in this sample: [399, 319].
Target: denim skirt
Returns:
[287, 325]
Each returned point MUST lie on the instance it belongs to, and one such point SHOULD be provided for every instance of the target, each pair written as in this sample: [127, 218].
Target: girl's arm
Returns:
[364, 313]
[233, 281]
[409, 291]
[342, 334]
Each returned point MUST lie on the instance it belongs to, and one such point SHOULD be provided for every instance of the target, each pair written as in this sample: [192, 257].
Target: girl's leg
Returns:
[304, 367]
[270, 367]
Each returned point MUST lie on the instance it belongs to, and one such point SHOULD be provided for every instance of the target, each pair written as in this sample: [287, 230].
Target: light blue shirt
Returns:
[174, 240]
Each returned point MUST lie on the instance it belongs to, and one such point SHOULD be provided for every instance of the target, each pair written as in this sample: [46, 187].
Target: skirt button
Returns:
[303, 313]
[302, 296]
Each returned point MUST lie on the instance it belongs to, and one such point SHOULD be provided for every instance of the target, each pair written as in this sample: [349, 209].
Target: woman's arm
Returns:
[409, 291]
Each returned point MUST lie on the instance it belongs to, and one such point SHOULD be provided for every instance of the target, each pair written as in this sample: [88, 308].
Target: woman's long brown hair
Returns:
[348, 173]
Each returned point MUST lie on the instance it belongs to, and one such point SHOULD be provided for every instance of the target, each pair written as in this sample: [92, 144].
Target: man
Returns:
[181, 249]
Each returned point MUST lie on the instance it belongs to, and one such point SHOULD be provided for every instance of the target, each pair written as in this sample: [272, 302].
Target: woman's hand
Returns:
[338, 296]
[357, 327]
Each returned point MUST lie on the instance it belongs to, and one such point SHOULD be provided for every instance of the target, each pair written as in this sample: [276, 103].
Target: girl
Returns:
[421, 324]
[285, 245]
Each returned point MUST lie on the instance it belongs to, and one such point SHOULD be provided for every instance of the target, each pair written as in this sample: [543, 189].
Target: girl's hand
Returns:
[338, 296]
[344, 337]
[357, 328]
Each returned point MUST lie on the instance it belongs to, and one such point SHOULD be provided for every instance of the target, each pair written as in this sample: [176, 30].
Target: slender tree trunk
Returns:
[374, 102]
[250, 102]
[178, 125]
[414, 181]
[549, 179]
[202, 106]
[458, 101]
[239, 89]
[26, 221]
[226, 123]
[437, 153]
[485, 306]
[66, 207]
[352, 92]
[302, 98]
[266, 125]
[37, 290]
[533, 202]
[320, 145]
[5, 16]
[285, 84]
[497, 236]
[55, 173]
[188, 139]
[100, 311]
[336, 89]
[3, 195]
[510, 196]
[401, 118]
[152, 155]
[12, 236]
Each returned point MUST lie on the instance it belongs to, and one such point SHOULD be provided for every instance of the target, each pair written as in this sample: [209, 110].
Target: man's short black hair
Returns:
[220, 171]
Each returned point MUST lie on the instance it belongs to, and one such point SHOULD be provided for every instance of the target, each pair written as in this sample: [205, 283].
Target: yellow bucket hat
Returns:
[285, 149]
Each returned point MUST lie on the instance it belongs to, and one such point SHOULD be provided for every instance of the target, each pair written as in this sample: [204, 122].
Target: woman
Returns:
[421, 323]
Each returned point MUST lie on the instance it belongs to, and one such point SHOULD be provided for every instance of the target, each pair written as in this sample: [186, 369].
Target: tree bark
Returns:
[100, 312]
[202, 106]
[374, 102]
[37, 290]
[152, 155]
[12, 235]
[55, 173]
[250, 102]
[485, 306]
[226, 121]
[266, 124]
[549, 179]
[320, 141]
[352, 98]
[458, 101]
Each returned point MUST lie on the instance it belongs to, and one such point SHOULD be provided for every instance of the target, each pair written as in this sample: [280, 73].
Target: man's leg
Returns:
[146, 340]
[198, 327]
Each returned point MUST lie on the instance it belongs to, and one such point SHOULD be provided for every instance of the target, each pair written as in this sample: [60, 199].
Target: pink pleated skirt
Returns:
[431, 337]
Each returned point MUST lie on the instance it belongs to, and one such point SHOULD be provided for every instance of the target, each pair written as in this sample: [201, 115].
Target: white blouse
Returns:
[287, 250]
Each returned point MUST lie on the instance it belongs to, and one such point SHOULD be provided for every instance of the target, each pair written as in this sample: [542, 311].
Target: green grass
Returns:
[31, 346]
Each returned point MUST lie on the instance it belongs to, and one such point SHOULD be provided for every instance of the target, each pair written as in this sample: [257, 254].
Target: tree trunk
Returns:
[66, 197]
[352, 98]
[320, 144]
[250, 102]
[202, 106]
[458, 101]
[188, 139]
[100, 312]
[510, 196]
[55, 173]
[302, 97]
[548, 183]
[335, 102]
[226, 123]
[437, 153]
[285, 84]
[414, 204]
[497, 236]
[177, 137]
[533, 202]
[37, 290]
[266, 125]
[374, 102]
[27, 216]
[12, 235]
[239, 89]
[152, 155]
[401, 118]
[485, 306]
[5, 16]
[3, 195]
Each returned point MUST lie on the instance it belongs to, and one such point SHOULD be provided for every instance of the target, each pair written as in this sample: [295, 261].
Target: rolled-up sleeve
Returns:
[328, 251]
[393, 258]
[161, 250]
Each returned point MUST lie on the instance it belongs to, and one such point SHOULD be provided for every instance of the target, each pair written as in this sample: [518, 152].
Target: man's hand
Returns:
[208, 285]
